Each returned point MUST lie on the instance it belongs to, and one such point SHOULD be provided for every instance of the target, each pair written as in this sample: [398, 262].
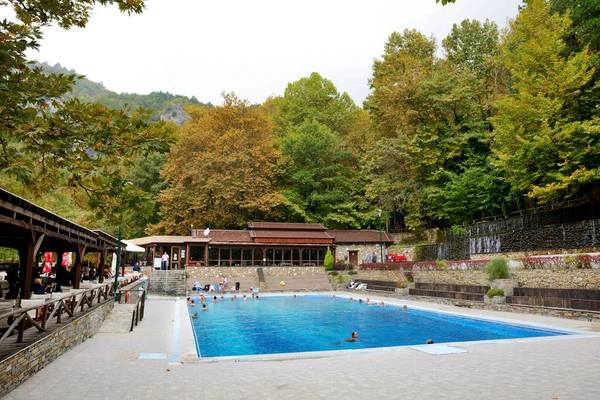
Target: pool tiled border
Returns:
[187, 345]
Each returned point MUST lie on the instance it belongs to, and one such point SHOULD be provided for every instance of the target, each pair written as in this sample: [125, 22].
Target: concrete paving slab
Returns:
[107, 366]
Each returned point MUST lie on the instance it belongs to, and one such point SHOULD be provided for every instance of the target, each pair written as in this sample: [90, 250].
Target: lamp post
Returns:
[116, 276]
[380, 236]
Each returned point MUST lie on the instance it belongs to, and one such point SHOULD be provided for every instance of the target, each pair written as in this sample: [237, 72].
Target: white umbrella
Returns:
[133, 248]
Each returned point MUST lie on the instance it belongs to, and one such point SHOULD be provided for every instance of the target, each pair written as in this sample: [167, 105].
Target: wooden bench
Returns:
[386, 286]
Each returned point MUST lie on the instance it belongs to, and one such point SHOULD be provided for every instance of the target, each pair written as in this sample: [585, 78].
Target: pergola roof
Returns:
[20, 217]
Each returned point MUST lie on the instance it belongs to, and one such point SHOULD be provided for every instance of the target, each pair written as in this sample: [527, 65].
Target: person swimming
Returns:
[353, 338]
[204, 308]
[215, 299]
[195, 315]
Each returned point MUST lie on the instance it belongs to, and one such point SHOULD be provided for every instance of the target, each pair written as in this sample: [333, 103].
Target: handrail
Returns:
[140, 304]
[54, 308]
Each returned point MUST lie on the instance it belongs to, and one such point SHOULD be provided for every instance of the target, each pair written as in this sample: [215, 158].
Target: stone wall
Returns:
[249, 272]
[168, 282]
[452, 277]
[363, 249]
[402, 294]
[21, 366]
[559, 278]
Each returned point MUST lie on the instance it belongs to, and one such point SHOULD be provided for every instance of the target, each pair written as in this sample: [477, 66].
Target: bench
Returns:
[386, 286]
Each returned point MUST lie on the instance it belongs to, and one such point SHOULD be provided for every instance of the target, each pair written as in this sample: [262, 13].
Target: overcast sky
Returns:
[254, 48]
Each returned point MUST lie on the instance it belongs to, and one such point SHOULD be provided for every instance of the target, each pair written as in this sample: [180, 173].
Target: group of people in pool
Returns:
[354, 338]
[369, 302]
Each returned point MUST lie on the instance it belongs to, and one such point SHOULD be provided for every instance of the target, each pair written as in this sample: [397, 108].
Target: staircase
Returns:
[167, 282]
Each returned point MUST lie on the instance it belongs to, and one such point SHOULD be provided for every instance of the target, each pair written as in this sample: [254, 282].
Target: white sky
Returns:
[254, 48]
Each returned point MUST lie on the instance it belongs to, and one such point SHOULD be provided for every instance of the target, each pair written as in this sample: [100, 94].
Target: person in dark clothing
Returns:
[37, 287]
[63, 278]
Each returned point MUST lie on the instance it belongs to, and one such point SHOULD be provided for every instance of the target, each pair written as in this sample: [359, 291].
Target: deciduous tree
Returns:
[221, 173]
[544, 147]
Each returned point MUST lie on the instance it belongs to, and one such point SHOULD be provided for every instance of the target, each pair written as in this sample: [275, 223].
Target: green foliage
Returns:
[328, 261]
[458, 230]
[495, 292]
[431, 161]
[442, 264]
[333, 273]
[352, 272]
[47, 138]
[543, 146]
[497, 268]
[7, 254]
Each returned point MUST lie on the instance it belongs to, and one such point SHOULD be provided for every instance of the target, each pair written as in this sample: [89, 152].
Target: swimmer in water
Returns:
[353, 338]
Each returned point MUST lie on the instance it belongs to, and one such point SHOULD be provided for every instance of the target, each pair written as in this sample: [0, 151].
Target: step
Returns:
[445, 287]
[446, 294]
[581, 294]
[554, 302]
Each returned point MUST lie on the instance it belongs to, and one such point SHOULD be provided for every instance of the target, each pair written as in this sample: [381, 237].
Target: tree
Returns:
[545, 149]
[47, 140]
[323, 187]
[328, 261]
[430, 115]
[471, 44]
[314, 99]
[585, 28]
[221, 173]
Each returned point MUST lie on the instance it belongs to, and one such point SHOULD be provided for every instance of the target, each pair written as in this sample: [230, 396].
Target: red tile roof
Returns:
[259, 233]
[287, 226]
[229, 236]
[359, 236]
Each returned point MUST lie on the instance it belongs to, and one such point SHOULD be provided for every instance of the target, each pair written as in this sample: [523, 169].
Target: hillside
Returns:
[164, 105]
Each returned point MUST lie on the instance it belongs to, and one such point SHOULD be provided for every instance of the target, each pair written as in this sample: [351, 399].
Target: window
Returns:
[213, 256]
[196, 253]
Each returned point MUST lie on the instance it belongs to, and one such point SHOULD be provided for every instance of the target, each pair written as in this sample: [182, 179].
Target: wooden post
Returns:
[78, 260]
[102, 256]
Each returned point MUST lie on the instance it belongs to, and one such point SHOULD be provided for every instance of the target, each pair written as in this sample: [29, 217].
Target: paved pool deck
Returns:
[146, 364]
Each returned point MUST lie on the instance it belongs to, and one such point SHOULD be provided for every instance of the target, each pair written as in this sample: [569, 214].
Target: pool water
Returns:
[275, 325]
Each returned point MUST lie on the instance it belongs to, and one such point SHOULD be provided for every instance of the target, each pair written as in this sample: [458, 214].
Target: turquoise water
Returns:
[275, 325]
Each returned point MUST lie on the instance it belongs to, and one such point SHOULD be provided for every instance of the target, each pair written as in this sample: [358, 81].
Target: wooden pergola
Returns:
[31, 230]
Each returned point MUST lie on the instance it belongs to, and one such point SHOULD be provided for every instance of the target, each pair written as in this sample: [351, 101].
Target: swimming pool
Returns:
[283, 324]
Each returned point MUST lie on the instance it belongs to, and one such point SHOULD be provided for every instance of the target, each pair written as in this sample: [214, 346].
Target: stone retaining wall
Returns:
[402, 294]
[559, 278]
[249, 272]
[452, 277]
[21, 366]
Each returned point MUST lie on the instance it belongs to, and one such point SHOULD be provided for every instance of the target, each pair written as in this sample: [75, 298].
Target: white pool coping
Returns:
[576, 329]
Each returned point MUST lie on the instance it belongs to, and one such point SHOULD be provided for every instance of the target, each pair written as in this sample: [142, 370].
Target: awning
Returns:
[133, 248]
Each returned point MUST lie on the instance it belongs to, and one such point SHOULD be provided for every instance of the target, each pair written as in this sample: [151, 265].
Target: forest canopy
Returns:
[485, 122]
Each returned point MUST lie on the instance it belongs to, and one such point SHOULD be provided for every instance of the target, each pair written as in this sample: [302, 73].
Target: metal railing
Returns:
[138, 288]
[72, 304]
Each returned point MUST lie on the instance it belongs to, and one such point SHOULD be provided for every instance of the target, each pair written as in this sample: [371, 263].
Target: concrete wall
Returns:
[22, 365]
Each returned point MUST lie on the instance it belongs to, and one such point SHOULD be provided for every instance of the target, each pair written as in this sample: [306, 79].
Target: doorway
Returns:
[353, 258]
[175, 261]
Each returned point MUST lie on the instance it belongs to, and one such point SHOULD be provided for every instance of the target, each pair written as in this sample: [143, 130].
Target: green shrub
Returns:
[495, 292]
[333, 273]
[409, 277]
[497, 269]
[352, 272]
[441, 264]
[328, 262]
